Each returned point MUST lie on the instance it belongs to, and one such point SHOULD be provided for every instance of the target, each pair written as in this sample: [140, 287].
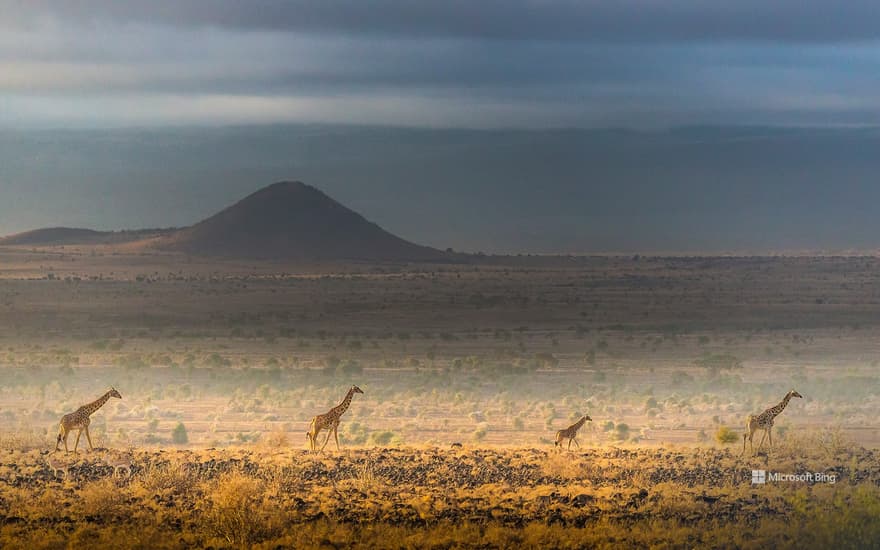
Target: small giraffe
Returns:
[764, 421]
[330, 420]
[570, 433]
[79, 420]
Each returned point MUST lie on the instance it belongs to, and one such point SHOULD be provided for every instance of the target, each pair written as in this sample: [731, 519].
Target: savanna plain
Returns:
[468, 370]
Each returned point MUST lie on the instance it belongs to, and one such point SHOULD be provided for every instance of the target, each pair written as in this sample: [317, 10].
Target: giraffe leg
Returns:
[326, 439]
[770, 435]
[66, 433]
[763, 437]
[58, 441]
[313, 437]
[336, 435]
[76, 443]
[576, 443]
[89, 438]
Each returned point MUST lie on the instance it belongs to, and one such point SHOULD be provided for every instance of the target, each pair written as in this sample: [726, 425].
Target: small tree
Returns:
[178, 435]
[726, 436]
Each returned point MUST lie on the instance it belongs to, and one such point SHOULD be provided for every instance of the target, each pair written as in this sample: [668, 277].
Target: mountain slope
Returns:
[292, 220]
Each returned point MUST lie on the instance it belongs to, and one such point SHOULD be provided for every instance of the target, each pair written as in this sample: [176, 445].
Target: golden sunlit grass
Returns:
[430, 497]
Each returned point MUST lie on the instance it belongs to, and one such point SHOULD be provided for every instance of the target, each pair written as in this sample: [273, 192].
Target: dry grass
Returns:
[238, 512]
[430, 497]
[565, 465]
[22, 440]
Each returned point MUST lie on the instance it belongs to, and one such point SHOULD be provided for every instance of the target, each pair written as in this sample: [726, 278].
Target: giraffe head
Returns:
[587, 418]
[356, 389]
[114, 393]
[795, 394]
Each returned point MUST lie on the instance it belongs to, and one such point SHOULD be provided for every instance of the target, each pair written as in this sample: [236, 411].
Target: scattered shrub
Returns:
[382, 438]
[179, 435]
[726, 436]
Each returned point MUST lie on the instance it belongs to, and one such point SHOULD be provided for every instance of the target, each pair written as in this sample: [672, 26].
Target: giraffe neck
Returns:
[342, 407]
[577, 425]
[97, 404]
[779, 408]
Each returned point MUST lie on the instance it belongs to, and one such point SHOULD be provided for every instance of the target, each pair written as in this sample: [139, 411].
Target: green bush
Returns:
[726, 436]
[480, 433]
[382, 438]
[179, 435]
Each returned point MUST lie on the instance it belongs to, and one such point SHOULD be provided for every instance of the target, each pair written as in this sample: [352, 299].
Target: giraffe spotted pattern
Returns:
[79, 420]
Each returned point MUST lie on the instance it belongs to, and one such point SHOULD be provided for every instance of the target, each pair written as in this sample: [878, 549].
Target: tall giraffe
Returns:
[570, 433]
[79, 420]
[330, 420]
[764, 421]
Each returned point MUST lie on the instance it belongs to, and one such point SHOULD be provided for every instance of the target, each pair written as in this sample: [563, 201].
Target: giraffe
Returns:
[79, 420]
[570, 433]
[764, 421]
[330, 420]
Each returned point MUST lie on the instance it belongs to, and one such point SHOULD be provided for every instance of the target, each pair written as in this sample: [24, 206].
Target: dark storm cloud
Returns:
[477, 64]
[599, 20]
[89, 65]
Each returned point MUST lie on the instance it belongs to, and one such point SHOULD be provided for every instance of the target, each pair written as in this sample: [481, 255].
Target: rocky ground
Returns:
[244, 497]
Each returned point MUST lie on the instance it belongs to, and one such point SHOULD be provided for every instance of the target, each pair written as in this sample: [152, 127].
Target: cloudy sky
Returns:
[503, 126]
[492, 63]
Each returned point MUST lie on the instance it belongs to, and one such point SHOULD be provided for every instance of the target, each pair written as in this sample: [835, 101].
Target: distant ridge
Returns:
[56, 236]
[292, 220]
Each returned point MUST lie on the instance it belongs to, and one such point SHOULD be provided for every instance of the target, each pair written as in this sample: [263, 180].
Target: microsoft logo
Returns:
[760, 477]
